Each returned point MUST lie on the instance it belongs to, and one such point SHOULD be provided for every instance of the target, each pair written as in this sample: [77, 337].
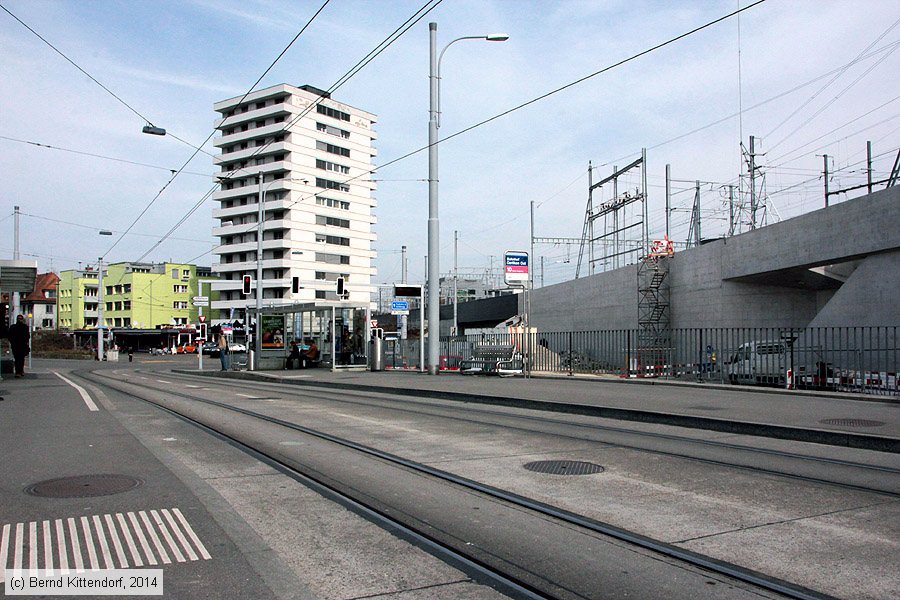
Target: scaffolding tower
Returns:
[654, 333]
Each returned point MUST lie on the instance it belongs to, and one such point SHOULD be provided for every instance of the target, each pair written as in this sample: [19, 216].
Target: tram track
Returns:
[503, 565]
[541, 421]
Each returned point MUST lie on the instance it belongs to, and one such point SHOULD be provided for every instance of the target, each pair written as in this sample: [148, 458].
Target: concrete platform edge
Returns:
[816, 436]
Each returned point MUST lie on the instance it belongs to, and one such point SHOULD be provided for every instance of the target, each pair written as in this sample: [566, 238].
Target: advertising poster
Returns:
[272, 331]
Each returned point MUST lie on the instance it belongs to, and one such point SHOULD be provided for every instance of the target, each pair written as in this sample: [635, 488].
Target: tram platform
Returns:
[841, 419]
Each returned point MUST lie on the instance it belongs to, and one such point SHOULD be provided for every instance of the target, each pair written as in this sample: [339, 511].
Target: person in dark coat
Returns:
[18, 339]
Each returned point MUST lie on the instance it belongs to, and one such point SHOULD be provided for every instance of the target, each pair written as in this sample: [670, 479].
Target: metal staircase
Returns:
[653, 343]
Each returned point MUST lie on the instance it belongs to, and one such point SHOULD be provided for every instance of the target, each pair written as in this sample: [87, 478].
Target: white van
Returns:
[761, 362]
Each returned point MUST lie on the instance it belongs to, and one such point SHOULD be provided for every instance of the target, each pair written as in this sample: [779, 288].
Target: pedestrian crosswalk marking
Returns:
[95, 542]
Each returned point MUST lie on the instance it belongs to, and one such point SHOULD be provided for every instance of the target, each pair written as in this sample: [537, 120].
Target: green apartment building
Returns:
[135, 295]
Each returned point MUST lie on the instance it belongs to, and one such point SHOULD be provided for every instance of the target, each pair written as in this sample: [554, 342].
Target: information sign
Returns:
[516, 267]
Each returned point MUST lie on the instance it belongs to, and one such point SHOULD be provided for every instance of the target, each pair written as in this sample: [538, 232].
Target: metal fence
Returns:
[856, 359]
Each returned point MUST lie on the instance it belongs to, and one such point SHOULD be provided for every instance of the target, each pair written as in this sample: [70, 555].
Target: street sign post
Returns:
[200, 300]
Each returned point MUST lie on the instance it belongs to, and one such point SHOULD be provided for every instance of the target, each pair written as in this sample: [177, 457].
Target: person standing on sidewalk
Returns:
[223, 351]
[18, 339]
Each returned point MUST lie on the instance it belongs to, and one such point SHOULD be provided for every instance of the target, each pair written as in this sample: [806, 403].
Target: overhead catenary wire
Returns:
[557, 90]
[887, 48]
[842, 92]
[212, 133]
[383, 45]
[91, 154]
[89, 76]
[837, 75]
[94, 227]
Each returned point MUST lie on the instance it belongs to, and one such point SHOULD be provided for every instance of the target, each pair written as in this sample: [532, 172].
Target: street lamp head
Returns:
[153, 129]
[497, 37]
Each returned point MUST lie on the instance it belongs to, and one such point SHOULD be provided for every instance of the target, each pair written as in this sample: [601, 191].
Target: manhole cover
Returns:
[564, 467]
[852, 422]
[83, 486]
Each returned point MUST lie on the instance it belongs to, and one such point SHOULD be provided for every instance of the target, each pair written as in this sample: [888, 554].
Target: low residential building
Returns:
[135, 295]
[41, 303]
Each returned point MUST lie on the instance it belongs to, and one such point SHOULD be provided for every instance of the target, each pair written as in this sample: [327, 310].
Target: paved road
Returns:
[670, 486]
[266, 535]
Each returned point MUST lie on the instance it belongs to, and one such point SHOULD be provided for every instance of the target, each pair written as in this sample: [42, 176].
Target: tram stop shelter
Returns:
[17, 276]
[340, 329]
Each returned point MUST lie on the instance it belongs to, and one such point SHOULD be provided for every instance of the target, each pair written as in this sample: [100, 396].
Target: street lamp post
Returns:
[100, 349]
[434, 282]
[257, 337]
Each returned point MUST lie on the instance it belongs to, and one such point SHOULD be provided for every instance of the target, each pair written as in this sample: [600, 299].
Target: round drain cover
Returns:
[852, 422]
[83, 486]
[564, 467]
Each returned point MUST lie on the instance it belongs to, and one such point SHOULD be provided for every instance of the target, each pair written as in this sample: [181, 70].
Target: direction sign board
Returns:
[516, 267]
[399, 307]
[200, 300]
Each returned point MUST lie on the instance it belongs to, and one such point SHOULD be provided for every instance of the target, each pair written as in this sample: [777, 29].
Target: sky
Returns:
[805, 78]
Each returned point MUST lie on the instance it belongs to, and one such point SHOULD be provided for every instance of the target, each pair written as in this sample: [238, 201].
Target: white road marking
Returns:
[165, 531]
[175, 529]
[193, 387]
[164, 381]
[159, 547]
[32, 545]
[84, 395]
[17, 554]
[48, 549]
[193, 536]
[4, 548]
[104, 546]
[143, 540]
[61, 545]
[117, 543]
[244, 395]
[379, 423]
[76, 546]
[98, 541]
[130, 541]
[89, 542]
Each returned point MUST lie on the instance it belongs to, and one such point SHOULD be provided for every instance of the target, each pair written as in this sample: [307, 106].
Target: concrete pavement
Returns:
[833, 419]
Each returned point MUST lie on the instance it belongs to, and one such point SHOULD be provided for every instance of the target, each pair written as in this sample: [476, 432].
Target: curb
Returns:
[815, 436]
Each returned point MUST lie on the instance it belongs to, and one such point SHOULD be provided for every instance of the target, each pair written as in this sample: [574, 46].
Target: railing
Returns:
[854, 359]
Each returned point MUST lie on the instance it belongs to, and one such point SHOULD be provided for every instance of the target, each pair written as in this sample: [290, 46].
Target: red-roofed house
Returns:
[41, 303]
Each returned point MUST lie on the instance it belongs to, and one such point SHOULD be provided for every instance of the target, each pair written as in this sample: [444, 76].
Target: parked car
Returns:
[761, 362]
[188, 348]
[211, 349]
[237, 348]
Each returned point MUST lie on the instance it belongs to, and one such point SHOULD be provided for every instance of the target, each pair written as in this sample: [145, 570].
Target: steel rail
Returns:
[337, 396]
[727, 569]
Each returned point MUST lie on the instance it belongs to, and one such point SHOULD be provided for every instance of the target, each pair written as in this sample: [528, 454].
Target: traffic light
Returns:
[340, 287]
[248, 280]
[295, 285]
